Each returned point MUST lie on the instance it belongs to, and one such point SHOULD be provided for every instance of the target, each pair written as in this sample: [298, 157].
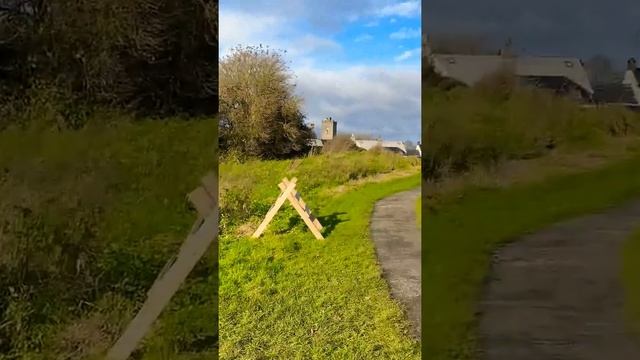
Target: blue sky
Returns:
[357, 61]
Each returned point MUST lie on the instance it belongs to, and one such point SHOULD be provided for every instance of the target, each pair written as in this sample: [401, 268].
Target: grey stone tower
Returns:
[329, 129]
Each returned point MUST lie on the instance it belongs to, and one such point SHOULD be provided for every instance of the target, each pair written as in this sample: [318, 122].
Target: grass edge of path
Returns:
[631, 281]
[367, 195]
[480, 221]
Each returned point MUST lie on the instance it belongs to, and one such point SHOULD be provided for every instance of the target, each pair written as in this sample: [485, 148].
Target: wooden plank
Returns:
[167, 285]
[210, 183]
[298, 197]
[202, 201]
[304, 215]
[302, 208]
[274, 209]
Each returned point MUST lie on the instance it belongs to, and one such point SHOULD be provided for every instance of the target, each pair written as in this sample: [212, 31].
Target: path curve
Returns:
[397, 239]
[556, 294]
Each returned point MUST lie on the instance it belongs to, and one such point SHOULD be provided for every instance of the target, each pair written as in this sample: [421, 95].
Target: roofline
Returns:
[513, 57]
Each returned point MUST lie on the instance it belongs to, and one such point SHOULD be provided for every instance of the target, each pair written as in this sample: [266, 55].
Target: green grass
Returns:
[460, 234]
[419, 211]
[631, 281]
[102, 210]
[287, 295]
[470, 127]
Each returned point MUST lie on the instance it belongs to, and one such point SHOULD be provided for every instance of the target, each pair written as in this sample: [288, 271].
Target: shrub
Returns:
[260, 114]
[340, 143]
[493, 122]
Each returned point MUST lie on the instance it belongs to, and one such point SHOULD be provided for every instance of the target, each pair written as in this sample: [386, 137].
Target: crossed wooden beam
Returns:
[203, 233]
[289, 192]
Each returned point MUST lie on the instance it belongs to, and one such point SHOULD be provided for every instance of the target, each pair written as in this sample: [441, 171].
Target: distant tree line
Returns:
[153, 57]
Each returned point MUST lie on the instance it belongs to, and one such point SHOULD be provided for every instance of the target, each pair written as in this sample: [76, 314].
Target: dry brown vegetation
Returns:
[340, 143]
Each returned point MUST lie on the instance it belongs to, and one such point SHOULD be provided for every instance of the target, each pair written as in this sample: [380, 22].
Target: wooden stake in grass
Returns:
[203, 233]
[289, 192]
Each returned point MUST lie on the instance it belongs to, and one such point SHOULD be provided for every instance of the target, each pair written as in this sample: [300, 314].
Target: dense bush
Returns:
[260, 114]
[340, 143]
[248, 194]
[482, 126]
[153, 57]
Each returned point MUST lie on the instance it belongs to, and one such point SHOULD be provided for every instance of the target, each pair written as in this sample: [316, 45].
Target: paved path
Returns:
[397, 239]
[556, 294]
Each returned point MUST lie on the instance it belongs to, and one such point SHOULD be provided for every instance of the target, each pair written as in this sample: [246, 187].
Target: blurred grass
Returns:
[498, 164]
[89, 218]
[460, 234]
[419, 211]
[467, 128]
[631, 281]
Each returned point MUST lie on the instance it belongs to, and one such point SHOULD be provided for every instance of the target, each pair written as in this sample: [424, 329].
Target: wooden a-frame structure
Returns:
[289, 192]
[203, 233]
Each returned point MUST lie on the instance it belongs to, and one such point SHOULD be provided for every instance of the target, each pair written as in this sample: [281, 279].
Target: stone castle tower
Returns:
[329, 129]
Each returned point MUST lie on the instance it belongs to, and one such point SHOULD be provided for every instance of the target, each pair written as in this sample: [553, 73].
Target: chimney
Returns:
[507, 50]
[632, 64]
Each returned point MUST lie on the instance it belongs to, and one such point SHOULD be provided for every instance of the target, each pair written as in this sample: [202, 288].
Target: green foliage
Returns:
[461, 233]
[631, 281]
[287, 295]
[469, 127]
[89, 218]
[260, 114]
[154, 57]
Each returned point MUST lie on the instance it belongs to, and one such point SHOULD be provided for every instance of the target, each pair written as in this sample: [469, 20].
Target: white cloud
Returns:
[309, 44]
[405, 33]
[372, 24]
[408, 54]
[380, 101]
[246, 29]
[402, 9]
[363, 37]
[326, 15]
[238, 28]
[393, 20]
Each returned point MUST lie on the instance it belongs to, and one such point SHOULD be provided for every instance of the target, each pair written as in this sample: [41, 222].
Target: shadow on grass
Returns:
[329, 222]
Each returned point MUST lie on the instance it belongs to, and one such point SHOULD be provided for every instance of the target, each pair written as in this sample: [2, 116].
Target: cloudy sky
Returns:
[579, 28]
[356, 61]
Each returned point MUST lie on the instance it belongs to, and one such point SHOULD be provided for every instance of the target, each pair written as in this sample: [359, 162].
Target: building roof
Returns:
[636, 74]
[370, 144]
[470, 69]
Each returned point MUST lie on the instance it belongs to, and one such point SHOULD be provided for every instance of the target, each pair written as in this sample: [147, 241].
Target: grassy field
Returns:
[88, 219]
[290, 296]
[466, 128]
[461, 232]
[419, 211]
[501, 161]
[631, 280]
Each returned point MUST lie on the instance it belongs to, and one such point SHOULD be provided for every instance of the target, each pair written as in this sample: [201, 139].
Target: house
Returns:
[393, 146]
[564, 75]
[329, 131]
[625, 93]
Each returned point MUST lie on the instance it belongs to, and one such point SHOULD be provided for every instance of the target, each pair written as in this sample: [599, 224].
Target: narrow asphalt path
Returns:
[396, 236]
[556, 294]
